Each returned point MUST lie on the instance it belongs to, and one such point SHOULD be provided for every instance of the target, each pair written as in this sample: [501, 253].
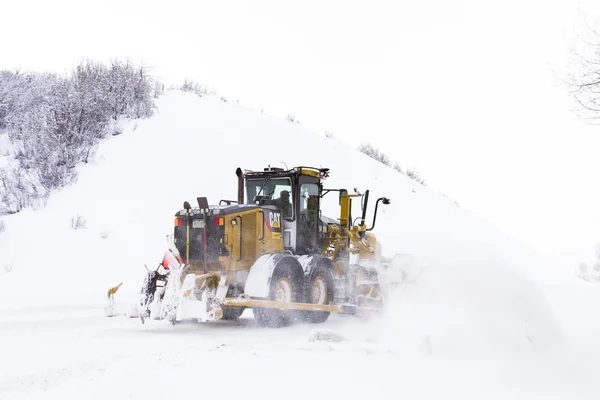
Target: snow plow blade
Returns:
[244, 301]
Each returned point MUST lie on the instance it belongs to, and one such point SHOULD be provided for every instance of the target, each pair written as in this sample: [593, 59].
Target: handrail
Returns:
[263, 225]
[228, 202]
[237, 216]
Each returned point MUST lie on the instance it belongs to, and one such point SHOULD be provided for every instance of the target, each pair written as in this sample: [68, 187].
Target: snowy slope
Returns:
[471, 291]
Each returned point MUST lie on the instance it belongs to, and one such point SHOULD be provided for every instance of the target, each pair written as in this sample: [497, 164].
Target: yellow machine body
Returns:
[276, 255]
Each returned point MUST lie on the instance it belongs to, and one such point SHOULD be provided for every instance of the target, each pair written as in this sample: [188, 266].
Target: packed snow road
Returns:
[74, 353]
[470, 321]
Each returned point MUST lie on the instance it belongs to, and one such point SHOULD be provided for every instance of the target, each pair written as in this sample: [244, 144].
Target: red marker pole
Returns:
[205, 226]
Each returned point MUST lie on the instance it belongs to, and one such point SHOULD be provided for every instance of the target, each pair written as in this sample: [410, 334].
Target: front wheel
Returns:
[319, 290]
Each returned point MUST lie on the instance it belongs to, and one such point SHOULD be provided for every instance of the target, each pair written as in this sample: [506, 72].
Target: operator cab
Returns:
[296, 194]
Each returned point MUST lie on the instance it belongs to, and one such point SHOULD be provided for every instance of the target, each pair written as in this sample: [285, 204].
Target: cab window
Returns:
[309, 192]
[275, 191]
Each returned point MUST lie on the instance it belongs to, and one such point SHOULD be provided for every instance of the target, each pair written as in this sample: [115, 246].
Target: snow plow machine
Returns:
[273, 252]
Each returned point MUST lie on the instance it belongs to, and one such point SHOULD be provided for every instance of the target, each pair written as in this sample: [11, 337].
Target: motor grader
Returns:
[270, 250]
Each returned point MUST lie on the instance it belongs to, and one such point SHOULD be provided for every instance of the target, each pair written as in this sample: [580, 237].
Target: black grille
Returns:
[214, 239]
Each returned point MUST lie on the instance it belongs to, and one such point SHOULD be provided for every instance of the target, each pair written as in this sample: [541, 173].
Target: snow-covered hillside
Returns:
[470, 290]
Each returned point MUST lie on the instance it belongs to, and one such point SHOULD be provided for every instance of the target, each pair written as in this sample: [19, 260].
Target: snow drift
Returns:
[473, 287]
[470, 307]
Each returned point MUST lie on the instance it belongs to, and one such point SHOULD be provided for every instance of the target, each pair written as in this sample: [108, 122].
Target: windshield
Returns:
[271, 191]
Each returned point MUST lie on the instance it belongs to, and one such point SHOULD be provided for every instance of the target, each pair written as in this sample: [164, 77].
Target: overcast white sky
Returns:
[461, 89]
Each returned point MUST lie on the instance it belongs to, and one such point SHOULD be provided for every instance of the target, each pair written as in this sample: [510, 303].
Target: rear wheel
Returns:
[287, 285]
[319, 290]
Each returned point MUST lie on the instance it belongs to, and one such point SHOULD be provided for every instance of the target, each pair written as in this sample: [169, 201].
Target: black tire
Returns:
[232, 313]
[320, 276]
[288, 272]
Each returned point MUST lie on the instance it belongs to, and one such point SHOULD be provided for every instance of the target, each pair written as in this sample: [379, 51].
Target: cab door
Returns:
[307, 221]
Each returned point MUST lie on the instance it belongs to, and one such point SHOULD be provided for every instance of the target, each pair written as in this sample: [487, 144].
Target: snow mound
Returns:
[468, 307]
[473, 287]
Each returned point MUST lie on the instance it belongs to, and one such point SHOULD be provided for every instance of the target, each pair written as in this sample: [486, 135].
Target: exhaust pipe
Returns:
[240, 176]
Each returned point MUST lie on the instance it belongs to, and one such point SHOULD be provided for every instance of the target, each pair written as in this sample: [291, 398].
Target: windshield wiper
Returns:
[263, 186]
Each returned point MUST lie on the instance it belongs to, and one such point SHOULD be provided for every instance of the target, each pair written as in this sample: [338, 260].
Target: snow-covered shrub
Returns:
[78, 222]
[582, 273]
[594, 272]
[292, 118]
[375, 153]
[194, 87]
[590, 273]
[159, 88]
[383, 158]
[17, 191]
[415, 176]
[54, 122]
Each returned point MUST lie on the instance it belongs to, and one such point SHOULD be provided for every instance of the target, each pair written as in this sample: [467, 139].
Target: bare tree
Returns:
[583, 82]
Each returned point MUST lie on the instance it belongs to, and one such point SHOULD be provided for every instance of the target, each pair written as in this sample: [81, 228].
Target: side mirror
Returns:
[384, 200]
